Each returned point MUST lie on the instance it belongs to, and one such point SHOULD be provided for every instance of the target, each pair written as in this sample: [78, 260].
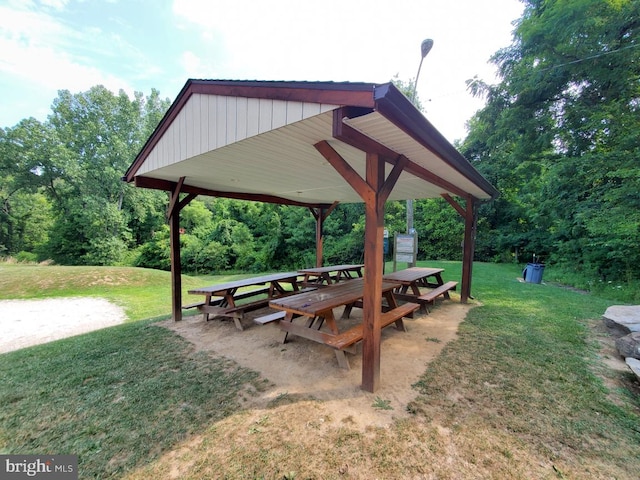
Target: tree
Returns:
[97, 216]
[559, 135]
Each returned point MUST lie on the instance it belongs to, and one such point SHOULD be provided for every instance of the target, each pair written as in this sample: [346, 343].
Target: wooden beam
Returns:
[174, 197]
[343, 168]
[167, 185]
[353, 137]
[459, 208]
[391, 180]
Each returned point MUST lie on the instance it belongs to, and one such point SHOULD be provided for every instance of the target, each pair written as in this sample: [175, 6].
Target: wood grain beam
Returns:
[166, 185]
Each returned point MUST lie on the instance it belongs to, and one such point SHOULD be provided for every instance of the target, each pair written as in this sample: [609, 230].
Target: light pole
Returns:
[425, 48]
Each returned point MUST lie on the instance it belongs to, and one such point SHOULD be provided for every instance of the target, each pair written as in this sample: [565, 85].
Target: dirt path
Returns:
[303, 369]
[31, 322]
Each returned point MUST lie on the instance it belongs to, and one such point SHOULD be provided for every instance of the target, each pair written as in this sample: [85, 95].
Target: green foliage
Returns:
[560, 136]
[440, 230]
[75, 161]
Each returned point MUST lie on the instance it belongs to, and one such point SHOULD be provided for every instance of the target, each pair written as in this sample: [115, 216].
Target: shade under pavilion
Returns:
[315, 145]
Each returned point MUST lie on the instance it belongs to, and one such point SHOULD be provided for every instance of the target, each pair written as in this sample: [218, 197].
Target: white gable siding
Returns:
[208, 122]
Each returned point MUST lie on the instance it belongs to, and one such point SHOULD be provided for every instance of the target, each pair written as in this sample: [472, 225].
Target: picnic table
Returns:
[221, 300]
[317, 320]
[322, 276]
[414, 278]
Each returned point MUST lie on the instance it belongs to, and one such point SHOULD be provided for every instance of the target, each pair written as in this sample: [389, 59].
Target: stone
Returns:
[634, 365]
[629, 345]
[623, 317]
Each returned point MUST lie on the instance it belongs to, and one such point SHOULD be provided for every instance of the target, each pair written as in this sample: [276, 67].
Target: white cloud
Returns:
[37, 49]
[358, 40]
[55, 4]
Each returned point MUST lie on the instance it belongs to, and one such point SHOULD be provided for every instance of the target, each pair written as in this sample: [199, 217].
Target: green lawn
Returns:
[525, 367]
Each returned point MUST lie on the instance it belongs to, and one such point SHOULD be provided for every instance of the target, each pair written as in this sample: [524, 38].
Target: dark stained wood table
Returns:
[412, 279]
[316, 311]
[222, 299]
[322, 276]
[415, 277]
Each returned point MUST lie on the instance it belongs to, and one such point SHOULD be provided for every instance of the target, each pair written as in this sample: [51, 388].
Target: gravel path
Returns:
[24, 323]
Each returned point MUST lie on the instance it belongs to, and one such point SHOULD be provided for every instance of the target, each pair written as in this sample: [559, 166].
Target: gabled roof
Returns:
[259, 140]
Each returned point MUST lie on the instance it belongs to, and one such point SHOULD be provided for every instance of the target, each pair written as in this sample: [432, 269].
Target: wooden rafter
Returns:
[166, 185]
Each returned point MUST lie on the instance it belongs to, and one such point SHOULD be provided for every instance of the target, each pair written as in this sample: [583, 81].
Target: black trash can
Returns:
[533, 272]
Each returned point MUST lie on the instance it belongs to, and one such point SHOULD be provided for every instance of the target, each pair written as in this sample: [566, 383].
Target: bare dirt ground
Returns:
[25, 323]
[302, 369]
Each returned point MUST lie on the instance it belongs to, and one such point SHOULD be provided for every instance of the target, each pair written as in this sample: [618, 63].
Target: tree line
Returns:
[559, 137]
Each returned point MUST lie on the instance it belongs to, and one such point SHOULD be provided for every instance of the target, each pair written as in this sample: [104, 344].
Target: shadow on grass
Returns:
[117, 398]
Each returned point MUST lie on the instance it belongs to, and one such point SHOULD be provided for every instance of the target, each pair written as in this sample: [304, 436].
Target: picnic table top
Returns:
[412, 274]
[315, 302]
[331, 268]
[246, 282]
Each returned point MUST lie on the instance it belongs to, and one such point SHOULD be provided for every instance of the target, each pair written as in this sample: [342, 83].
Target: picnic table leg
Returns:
[287, 318]
[416, 291]
[440, 283]
[331, 322]
[347, 311]
[343, 361]
[391, 300]
[205, 315]
[237, 317]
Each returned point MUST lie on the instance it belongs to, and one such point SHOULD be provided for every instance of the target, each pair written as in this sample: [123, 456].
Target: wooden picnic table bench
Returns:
[330, 274]
[221, 300]
[415, 278]
[316, 311]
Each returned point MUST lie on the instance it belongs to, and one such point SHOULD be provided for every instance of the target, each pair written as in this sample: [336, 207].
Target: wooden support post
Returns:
[372, 300]
[374, 191]
[319, 237]
[469, 244]
[173, 215]
[469, 249]
[176, 266]
[321, 214]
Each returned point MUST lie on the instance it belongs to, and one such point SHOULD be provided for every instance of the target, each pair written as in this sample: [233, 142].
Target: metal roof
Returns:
[258, 140]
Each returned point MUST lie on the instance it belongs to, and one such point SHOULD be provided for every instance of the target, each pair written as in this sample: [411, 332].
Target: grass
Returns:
[522, 393]
[116, 397]
[143, 293]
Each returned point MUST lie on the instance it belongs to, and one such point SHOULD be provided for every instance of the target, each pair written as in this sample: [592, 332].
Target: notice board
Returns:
[405, 248]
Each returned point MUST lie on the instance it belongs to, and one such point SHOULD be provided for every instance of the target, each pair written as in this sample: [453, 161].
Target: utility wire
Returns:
[598, 55]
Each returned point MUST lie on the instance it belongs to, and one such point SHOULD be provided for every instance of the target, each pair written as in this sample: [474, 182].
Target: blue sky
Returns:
[137, 45]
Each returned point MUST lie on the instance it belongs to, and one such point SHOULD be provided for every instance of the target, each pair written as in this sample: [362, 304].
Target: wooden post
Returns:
[321, 214]
[469, 249]
[469, 246]
[374, 191]
[173, 215]
[176, 265]
[373, 259]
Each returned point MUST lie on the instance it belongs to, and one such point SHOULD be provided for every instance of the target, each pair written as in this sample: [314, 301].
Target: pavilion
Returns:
[315, 145]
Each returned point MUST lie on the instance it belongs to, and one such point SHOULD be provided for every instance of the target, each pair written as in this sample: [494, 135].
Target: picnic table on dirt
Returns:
[311, 315]
[414, 278]
[330, 274]
[226, 299]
